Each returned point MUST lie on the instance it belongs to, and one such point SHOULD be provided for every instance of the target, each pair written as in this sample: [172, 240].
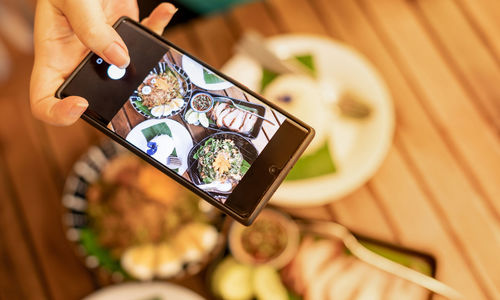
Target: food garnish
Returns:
[220, 160]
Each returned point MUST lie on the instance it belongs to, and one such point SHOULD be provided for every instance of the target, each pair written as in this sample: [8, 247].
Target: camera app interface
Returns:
[196, 123]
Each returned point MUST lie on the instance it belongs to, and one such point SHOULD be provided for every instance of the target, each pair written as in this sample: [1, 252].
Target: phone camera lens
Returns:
[273, 170]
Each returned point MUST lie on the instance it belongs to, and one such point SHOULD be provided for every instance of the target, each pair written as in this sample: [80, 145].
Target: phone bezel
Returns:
[246, 217]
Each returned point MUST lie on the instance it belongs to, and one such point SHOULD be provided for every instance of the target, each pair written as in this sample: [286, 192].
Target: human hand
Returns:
[65, 30]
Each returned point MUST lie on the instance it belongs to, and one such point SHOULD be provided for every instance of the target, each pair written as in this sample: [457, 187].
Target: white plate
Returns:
[181, 141]
[358, 147]
[195, 73]
[135, 291]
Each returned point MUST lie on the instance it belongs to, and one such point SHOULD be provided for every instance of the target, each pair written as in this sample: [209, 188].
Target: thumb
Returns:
[59, 112]
[89, 23]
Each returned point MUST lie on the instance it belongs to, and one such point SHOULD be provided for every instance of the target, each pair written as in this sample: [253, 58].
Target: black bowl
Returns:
[247, 149]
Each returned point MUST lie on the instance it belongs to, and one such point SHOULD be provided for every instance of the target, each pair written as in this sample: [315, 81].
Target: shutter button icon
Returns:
[115, 73]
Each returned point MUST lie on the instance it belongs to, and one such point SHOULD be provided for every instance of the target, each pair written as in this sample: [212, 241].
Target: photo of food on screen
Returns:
[196, 123]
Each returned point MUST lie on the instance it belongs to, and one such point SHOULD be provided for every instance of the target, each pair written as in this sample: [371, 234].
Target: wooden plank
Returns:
[484, 16]
[253, 16]
[68, 143]
[360, 213]
[39, 199]
[183, 37]
[215, 40]
[121, 124]
[470, 135]
[475, 64]
[20, 273]
[416, 132]
[460, 43]
[407, 205]
[296, 16]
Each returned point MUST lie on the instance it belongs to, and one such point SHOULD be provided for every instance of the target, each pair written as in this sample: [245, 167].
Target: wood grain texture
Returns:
[39, 199]
[475, 67]
[474, 140]
[20, 272]
[434, 161]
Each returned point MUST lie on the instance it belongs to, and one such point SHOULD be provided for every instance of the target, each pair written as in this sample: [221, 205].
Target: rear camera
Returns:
[273, 170]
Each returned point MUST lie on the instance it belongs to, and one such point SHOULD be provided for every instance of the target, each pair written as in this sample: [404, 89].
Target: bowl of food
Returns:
[222, 157]
[201, 102]
[163, 93]
[272, 239]
[130, 221]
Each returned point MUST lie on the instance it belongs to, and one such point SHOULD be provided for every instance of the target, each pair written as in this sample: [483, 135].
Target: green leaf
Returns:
[142, 108]
[89, 241]
[244, 167]
[156, 130]
[413, 262]
[316, 164]
[308, 61]
[267, 77]
[211, 78]
[293, 296]
[174, 153]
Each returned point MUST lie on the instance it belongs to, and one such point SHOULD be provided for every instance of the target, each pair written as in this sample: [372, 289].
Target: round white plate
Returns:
[181, 141]
[195, 72]
[148, 290]
[358, 147]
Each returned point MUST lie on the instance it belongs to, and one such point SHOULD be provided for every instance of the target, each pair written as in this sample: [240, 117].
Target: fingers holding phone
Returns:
[64, 32]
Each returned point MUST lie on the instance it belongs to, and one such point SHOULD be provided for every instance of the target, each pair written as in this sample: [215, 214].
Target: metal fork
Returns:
[249, 112]
[173, 162]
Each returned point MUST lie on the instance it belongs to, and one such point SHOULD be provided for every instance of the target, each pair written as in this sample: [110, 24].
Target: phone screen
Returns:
[178, 113]
[196, 123]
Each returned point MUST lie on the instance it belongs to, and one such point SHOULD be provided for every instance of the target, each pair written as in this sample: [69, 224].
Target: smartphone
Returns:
[205, 130]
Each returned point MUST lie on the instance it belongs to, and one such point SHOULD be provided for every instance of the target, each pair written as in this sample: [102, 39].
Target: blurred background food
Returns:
[136, 223]
[435, 192]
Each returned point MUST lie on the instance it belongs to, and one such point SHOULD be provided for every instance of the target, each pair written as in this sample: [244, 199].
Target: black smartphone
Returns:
[205, 130]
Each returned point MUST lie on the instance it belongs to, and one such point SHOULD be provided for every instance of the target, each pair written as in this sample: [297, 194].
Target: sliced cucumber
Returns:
[268, 285]
[233, 281]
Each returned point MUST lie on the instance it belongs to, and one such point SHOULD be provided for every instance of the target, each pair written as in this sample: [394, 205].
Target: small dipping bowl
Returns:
[201, 102]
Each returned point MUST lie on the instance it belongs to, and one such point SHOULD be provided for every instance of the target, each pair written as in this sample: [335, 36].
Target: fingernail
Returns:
[117, 55]
[77, 109]
[173, 10]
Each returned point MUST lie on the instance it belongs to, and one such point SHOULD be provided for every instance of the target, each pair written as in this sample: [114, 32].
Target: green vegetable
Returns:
[142, 108]
[89, 241]
[207, 154]
[211, 78]
[267, 284]
[232, 280]
[156, 130]
[245, 165]
[312, 165]
[268, 76]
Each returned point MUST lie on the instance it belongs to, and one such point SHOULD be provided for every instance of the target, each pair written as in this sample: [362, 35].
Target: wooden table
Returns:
[438, 190]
